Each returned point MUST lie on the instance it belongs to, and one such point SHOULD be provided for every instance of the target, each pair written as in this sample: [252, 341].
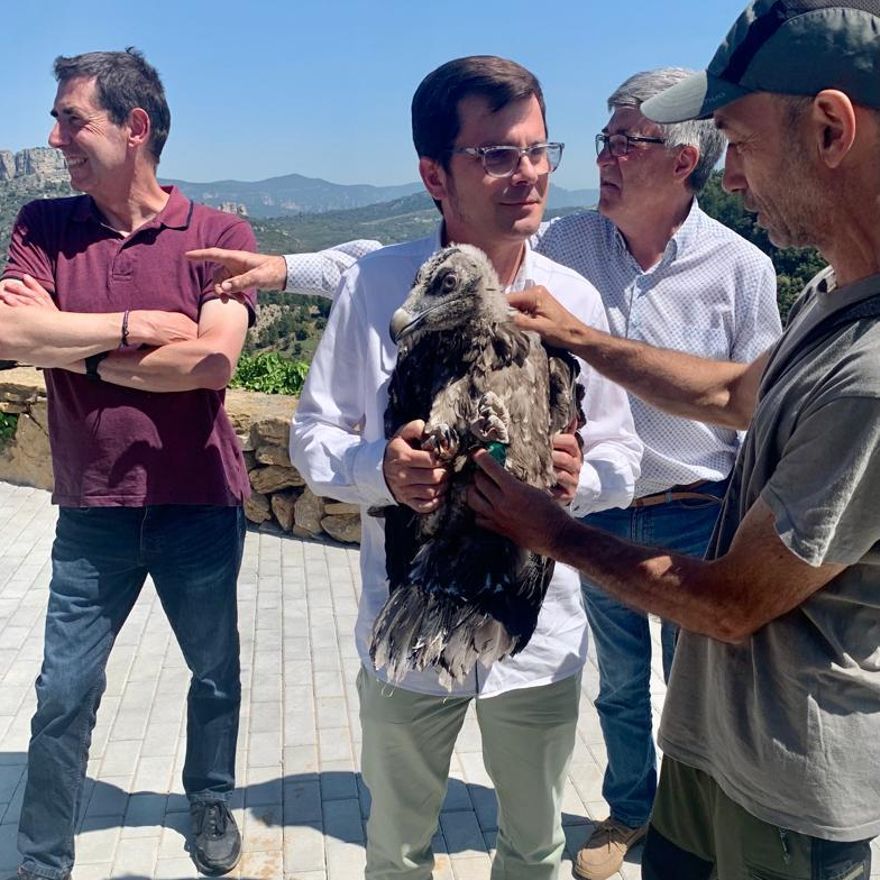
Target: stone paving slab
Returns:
[300, 802]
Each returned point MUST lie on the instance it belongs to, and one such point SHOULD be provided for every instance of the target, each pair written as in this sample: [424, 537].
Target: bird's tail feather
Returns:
[418, 629]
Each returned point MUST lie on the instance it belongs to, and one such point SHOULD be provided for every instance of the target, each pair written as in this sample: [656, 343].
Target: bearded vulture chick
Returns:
[459, 593]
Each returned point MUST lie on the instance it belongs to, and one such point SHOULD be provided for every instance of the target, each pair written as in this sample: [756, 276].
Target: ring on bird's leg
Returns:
[498, 451]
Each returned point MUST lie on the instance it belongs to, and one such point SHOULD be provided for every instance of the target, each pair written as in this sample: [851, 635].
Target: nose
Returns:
[526, 170]
[56, 139]
[605, 157]
[733, 179]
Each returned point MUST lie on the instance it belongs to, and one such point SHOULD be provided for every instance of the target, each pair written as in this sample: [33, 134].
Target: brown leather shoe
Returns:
[603, 853]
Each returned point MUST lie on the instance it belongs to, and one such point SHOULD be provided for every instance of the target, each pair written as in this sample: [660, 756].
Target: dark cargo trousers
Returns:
[698, 833]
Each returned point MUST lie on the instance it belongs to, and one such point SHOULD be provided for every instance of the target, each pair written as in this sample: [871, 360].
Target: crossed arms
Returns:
[167, 350]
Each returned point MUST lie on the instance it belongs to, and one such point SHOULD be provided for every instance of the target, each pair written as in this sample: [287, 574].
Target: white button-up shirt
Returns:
[712, 294]
[337, 442]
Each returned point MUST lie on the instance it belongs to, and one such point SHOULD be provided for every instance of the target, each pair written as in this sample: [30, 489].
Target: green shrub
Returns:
[8, 424]
[270, 373]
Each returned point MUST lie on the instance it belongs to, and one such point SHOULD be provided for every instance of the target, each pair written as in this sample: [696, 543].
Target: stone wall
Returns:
[280, 498]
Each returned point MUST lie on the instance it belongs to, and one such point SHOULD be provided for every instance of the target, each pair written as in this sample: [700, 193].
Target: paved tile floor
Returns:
[300, 802]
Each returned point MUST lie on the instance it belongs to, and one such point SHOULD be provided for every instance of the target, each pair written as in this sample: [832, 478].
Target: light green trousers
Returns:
[528, 737]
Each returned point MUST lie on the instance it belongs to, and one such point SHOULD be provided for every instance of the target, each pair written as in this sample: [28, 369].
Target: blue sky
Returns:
[323, 88]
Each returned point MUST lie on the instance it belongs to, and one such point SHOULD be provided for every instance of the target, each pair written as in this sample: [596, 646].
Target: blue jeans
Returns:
[623, 649]
[100, 560]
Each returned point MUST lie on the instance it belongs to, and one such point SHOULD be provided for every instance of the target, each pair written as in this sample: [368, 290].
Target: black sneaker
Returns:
[216, 845]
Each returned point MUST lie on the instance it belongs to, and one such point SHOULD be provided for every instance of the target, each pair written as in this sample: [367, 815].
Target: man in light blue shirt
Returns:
[671, 276]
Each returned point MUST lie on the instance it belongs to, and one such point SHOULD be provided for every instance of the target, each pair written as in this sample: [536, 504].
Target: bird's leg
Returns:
[492, 419]
[442, 440]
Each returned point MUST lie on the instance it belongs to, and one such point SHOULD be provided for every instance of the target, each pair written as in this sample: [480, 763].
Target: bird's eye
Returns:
[450, 281]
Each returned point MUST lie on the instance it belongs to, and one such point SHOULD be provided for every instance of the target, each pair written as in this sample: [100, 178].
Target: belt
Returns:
[677, 493]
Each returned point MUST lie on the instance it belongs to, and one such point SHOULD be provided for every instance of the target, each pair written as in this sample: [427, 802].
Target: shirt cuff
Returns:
[588, 491]
[290, 268]
[369, 475]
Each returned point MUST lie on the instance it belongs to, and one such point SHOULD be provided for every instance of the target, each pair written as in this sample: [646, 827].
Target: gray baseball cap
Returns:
[791, 47]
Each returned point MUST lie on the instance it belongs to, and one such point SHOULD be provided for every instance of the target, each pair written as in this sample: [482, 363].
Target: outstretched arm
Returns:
[730, 598]
[682, 384]
[316, 273]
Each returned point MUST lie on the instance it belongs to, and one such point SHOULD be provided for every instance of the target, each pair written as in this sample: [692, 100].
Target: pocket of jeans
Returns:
[833, 860]
[855, 872]
[699, 503]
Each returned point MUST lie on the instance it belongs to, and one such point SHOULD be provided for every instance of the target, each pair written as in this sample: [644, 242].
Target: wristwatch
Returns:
[92, 362]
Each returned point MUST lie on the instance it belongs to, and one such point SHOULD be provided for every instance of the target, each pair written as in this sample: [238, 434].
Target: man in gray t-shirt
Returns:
[771, 729]
[812, 456]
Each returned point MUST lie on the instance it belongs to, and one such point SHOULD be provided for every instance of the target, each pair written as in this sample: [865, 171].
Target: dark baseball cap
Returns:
[791, 47]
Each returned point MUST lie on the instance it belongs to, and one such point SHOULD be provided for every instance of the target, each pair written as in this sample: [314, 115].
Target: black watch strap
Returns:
[92, 362]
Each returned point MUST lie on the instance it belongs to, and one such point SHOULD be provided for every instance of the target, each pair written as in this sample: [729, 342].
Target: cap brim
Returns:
[696, 97]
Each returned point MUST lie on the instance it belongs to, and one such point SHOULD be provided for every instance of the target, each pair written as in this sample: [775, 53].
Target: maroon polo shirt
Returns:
[115, 446]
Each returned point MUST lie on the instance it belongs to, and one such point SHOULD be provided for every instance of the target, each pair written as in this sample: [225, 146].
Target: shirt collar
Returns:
[685, 233]
[679, 242]
[177, 211]
[524, 273]
[175, 215]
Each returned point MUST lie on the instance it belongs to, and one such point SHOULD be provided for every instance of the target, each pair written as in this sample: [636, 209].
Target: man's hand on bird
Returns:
[568, 458]
[531, 518]
[237, 271]
[415, 476]
[541, 313]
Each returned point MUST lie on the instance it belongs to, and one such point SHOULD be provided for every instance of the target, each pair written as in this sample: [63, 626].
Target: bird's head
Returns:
[454, 288]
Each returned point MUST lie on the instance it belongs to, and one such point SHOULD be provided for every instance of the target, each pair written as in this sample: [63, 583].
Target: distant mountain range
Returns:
[295, 194]
[286, 196]
[289, 195]
[398, 220]
[292, 213]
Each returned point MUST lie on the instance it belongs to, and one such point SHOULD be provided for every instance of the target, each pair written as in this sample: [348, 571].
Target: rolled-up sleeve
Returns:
[327, 445]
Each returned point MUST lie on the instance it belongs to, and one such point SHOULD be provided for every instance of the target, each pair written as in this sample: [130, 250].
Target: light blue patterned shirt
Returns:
[712, 294]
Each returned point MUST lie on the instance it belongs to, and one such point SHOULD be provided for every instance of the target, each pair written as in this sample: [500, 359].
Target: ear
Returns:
[139, 127]
[434, 177]
[833, 120]
[687, 160]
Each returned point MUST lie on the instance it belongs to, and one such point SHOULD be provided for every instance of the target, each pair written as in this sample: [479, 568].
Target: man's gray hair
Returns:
[699, 133]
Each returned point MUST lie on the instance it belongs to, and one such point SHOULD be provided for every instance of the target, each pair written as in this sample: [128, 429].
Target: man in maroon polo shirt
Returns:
[149, 477]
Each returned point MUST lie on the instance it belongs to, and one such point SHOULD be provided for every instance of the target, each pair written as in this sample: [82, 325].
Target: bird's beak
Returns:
[400, 322]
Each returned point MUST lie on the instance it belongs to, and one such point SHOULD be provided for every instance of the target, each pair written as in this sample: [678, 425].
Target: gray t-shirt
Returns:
[788, 723]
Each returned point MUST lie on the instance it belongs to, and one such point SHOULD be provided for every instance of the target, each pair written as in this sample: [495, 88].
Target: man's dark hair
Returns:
[123, 81]
[435, 121]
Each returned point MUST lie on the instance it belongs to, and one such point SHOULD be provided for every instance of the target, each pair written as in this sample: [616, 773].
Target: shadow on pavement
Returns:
[336, 802]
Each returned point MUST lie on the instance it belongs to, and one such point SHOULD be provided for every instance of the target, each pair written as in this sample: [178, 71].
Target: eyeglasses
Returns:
[618, 144]
[503, 161]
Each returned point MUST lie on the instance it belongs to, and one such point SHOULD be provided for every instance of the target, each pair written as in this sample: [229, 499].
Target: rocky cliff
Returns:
[41, 162]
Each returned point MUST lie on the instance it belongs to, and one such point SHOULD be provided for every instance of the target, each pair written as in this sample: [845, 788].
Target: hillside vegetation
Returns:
[291, 325]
